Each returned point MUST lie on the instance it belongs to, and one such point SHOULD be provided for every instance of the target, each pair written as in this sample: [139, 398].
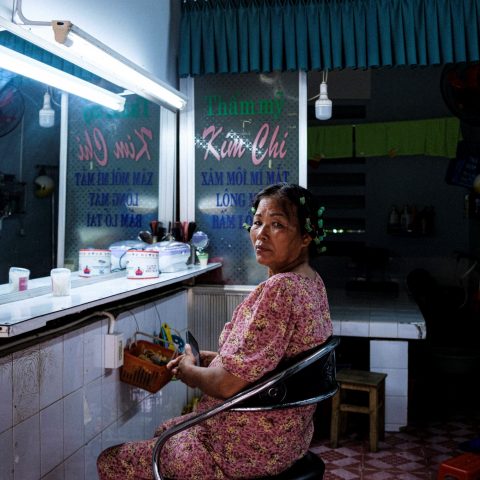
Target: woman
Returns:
[284, 316]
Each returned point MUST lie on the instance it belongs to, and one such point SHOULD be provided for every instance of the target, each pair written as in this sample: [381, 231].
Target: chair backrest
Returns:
[306, 379]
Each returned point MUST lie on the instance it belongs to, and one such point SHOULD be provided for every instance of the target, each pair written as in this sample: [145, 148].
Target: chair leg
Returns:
[334, 424]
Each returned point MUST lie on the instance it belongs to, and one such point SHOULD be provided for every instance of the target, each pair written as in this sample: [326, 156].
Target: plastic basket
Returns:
[143, 373]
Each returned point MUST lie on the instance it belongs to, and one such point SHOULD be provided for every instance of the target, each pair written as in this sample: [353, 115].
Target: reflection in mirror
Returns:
[29, 159]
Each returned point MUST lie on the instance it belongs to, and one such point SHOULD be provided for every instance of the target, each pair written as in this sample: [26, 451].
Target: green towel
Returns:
[433, 137]
[329, 142]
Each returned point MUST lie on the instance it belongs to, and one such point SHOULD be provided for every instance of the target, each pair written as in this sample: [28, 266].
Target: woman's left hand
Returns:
[181, 366]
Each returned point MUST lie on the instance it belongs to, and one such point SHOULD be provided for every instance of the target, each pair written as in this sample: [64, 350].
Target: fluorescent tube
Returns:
[31, 68]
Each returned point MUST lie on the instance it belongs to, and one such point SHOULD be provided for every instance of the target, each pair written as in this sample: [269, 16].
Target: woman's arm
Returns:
[206, 357]
[215, 381]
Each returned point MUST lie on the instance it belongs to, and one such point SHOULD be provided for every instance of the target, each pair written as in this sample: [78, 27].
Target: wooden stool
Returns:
[461, 467]
[358, 380]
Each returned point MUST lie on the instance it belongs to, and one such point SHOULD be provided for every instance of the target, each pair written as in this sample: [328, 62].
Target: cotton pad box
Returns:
[172, 255]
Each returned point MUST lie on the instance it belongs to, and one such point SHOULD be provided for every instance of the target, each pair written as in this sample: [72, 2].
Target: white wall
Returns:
[144, 31]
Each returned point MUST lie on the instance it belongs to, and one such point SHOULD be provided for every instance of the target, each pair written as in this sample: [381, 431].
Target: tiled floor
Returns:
[415, 453]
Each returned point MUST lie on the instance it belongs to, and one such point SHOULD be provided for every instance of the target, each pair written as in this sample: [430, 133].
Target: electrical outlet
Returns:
[114, 345]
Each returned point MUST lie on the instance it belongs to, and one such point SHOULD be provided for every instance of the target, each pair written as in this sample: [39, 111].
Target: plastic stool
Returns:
[358, 380]
[461, 467]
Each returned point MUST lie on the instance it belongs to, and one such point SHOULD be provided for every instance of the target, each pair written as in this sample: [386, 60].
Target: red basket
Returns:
[144, 373]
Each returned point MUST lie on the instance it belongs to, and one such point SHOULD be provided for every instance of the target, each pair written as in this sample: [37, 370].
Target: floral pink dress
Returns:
[282, 317]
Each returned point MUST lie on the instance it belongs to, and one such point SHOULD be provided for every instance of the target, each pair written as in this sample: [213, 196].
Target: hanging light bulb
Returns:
[323, 105]
[46, 116]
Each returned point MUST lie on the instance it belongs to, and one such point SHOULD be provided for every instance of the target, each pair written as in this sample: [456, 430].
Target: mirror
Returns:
[29, 160]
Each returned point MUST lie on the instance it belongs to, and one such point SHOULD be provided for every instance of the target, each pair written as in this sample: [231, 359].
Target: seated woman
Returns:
[284, 316]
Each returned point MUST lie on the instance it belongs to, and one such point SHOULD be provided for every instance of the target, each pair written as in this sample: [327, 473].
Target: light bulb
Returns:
[46, 116]
[323, 106]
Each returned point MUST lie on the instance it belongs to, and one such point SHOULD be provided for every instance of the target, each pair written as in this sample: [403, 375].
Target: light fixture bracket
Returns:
[61, 29]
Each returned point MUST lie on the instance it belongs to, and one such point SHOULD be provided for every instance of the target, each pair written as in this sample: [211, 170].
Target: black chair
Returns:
[304, 380]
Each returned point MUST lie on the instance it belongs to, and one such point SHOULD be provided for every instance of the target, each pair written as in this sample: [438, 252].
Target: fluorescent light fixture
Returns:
[77, 46]
[31, 68]
[103, 61]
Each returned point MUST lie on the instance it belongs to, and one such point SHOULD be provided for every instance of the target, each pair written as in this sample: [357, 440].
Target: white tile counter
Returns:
[31, 309]
[389, 322]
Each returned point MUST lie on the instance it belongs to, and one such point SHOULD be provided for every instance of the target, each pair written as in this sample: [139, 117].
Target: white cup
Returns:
[60, 281]
[18, 278]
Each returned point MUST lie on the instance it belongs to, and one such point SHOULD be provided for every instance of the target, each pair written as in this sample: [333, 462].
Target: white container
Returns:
[18, 278]
[93, 262]
[142, 264]
[61, 281]
[119, 250]
[172, 256]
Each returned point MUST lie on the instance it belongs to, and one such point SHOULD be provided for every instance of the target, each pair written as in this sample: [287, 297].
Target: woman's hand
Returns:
[181, 365]
[214, 381]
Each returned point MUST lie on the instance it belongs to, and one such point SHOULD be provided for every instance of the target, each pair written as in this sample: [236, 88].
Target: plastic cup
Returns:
[202, 258]
[60, 281]
[18, 278]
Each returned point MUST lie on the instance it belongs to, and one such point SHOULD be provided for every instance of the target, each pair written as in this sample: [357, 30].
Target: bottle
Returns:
[405, 219]
[393, 219]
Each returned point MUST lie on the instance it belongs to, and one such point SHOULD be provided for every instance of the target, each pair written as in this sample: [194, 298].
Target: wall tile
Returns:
[383, 329]
[75, 466]
[396, 410]
[131, 426]
[93, 352]
[51, 437]
[26, 389]
[26, 449]
[388, 354]
[396, 382]
[110, 394]
[6, 393]
[72, 361]
[6, 455]
[57, 473]
[110, 436]
[92, 451]
[354, 329]
[93, 406]
[73, 429]
[51, 371]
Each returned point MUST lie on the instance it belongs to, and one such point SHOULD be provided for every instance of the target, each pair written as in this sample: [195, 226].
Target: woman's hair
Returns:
[308, 209]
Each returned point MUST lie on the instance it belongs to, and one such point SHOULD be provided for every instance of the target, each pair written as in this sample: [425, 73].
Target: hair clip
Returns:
[302, 200]
[246, 226]
[253, 210]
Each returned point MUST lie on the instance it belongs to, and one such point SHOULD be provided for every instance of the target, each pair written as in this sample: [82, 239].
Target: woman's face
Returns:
[276, 237]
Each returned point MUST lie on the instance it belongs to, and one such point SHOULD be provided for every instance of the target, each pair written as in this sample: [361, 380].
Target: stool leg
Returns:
[373, 407]
[381, 411]
[334, 425]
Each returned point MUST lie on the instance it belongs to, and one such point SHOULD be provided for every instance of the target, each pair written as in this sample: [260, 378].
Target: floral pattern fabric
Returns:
[284, 316]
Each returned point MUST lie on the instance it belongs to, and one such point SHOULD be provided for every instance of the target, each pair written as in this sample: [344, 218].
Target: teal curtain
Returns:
[235, 36]
[20, 45]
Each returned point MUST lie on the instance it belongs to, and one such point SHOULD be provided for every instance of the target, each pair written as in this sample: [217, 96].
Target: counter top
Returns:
[358, 314]
[22, 312]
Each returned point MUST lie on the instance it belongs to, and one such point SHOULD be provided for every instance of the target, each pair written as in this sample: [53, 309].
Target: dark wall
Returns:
[398, 94]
